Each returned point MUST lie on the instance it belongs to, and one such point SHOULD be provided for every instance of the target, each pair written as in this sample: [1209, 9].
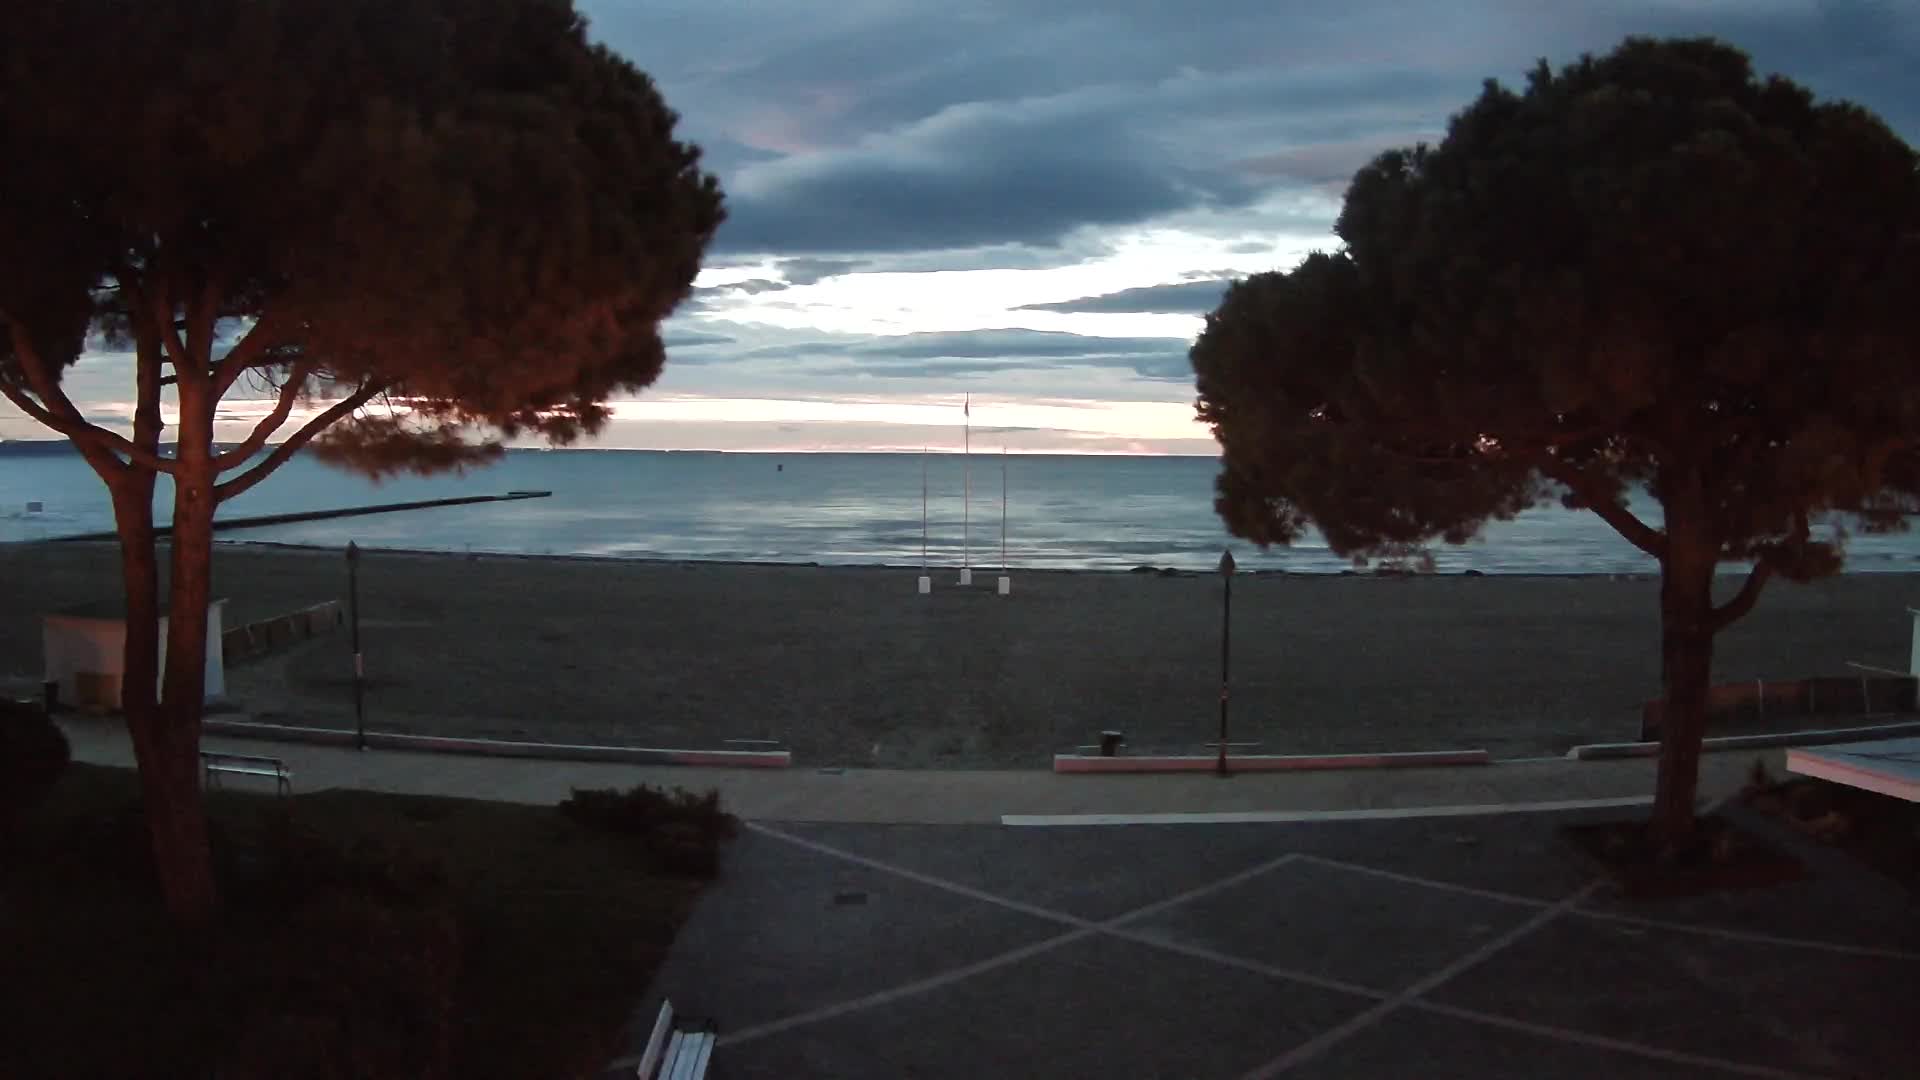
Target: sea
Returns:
[1044, 512]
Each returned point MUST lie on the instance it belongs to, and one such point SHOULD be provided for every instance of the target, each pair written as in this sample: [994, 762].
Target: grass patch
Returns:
[534, 935]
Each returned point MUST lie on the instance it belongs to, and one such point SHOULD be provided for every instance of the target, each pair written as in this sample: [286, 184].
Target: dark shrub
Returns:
[681, 832]
[295, 862]
[348, 985]
[33, 754]
[346, 962]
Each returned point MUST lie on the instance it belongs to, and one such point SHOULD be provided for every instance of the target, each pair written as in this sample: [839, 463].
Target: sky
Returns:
[1035, 204]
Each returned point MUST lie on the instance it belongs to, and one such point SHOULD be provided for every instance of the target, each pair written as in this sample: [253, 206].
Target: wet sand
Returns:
[848, 666]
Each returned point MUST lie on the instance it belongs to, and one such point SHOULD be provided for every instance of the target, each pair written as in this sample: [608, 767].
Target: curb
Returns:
[1609, 751]
[436, 744]
[1293, 817]
[1087, 763]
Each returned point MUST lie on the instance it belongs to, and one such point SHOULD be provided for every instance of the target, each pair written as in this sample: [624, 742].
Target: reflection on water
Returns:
[1063, 512]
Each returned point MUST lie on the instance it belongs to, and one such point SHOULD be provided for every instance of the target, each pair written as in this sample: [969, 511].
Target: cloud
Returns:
[874, 128]
[1186, 297]
[1003, 343]
[971, 175]
[810, 271]
[680, 339]
[993, 351]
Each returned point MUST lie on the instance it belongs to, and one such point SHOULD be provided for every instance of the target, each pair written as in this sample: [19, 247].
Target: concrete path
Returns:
[1476, 947]
[926, 796]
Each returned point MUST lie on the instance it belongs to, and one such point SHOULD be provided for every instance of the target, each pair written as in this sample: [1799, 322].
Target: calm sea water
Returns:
[1062, 512]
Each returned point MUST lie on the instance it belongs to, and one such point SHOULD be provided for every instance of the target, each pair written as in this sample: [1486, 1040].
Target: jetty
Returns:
[229, 524]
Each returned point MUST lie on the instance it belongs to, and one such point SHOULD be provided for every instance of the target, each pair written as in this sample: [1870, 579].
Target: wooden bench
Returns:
[214, 764]
[675, 1053]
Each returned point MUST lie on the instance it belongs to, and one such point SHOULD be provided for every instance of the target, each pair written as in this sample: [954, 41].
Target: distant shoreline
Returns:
[1727, 570]
[980, 568]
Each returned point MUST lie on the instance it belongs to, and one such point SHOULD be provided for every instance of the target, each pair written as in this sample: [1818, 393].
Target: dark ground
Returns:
[554, 931]
[1461, 947]
[849, 666]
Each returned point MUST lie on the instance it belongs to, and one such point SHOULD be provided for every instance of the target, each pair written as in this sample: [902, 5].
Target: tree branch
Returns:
[342, 408]
[168, 330]
[1637, 532]
[57, 412]
[244, 354]
[262, 431]
[1735, 609]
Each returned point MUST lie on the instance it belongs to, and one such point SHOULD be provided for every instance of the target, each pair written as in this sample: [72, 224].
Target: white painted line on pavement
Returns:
[924, 879]
[1332, 1037]
[1747, 937]
[918, 986]
[1262, 817]
[1429, 883]
[1386, 1002]
[1581, 1038]
[1200, 952]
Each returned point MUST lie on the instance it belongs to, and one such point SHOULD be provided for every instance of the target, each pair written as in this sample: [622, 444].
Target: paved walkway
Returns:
[945, 944]
[1450, 947]
[925, 796]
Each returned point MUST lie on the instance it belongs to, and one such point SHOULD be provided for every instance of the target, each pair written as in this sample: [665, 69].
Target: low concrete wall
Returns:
[1146, 763]
[1731, 705]
[382, 740]
[1604, 751]
[257, 639]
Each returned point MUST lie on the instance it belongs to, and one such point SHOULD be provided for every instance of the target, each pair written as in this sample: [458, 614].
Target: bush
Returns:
[350, 958]
[347, 986]
[681, 832]
[33, 754]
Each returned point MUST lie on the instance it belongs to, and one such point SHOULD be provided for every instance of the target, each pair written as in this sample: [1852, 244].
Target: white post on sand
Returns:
[926, 583]
[966, 496]
[1006, 582]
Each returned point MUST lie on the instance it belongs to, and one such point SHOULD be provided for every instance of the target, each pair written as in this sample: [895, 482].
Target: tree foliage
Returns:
[460, 203]
[1648, 270]
[460, 209]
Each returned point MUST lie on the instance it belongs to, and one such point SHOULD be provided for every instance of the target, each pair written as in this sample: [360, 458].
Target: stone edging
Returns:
[1144, 763]
[382, 740]
[1606, 751]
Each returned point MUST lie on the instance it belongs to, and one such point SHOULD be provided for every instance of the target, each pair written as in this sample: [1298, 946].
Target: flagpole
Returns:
[925, 584]
[1005, 585]
[966, 495]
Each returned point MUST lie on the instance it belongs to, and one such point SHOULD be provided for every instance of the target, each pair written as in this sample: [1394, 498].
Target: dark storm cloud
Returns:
[810, 271]
[1184, 298]
[970, 176]
[853, 127]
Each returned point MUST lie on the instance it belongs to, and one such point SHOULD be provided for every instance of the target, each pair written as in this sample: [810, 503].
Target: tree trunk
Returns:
[1686, 635]
[167, 755]
[179, 815]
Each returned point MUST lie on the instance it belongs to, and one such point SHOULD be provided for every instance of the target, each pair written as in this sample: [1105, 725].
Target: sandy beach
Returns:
[848, 666]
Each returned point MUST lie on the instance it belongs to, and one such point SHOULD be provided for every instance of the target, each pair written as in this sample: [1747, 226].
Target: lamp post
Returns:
[359, 667]
[1226, 650]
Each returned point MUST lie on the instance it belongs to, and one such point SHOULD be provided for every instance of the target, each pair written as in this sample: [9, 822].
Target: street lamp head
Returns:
[1226, 563]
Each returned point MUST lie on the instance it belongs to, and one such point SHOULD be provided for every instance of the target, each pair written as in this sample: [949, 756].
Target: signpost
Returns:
[359, 667]
[1226, 650]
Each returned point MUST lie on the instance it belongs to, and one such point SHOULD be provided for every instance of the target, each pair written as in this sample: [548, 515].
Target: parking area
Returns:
[1435, 947]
